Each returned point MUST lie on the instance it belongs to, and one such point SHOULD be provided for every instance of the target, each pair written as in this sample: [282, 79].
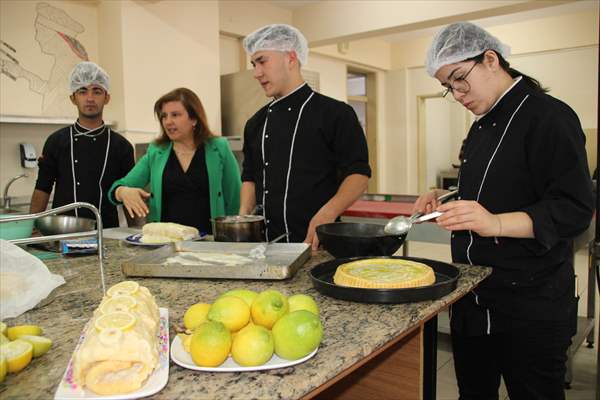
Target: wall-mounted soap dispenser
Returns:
[28, 156]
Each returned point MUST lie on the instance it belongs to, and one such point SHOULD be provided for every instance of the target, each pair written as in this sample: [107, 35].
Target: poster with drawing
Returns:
[37, 56]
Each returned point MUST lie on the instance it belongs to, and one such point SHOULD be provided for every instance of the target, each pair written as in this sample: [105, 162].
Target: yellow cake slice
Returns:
[384, 273]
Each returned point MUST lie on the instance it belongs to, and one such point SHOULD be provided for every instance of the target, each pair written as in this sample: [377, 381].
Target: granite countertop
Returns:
[352, 331]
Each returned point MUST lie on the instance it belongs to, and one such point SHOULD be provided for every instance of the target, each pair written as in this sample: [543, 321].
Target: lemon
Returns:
[195, 315]
[297, 334]
[18, 354]
[125, 287]
[15, 331]
[123, 302]
[2, 328]
[247, 295]
[268, 307]
[252, 346]
[186, 340]
[210, 344]
[3, 367]
[303, 302]
[232, 311]
[3, 339]
[40, 344]
[119, 319]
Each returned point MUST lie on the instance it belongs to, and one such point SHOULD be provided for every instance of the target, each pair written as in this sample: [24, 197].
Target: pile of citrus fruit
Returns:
[18, 344]
[251, 327]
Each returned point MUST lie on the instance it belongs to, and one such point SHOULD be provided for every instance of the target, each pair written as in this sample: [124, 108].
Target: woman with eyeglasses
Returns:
[524, 194]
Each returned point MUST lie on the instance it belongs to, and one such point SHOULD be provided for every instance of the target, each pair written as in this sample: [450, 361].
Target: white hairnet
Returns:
[87, 73]
[278, 37]
[459, 42]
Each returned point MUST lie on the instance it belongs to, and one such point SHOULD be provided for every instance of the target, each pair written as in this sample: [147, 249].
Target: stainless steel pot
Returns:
[239, 228]
[61, 224]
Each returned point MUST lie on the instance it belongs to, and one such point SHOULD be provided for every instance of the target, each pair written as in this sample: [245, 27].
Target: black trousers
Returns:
[530, 357]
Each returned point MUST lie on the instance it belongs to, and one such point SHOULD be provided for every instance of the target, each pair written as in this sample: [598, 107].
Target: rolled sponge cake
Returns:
[162, 232]
[113, 361]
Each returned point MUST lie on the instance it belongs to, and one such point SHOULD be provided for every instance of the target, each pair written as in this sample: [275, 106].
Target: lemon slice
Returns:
[15, 331]
[3, 367]
[40, 344]
[119, 320]
[3, 339]
[123, 302]
[125, 287]
[18, 354]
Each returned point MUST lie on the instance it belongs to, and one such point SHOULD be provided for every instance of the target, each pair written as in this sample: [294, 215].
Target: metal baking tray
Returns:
[446, 278]
[281, 262]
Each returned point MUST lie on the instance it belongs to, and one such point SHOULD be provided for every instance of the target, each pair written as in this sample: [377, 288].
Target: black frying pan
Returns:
[349, 239]
[446, 279]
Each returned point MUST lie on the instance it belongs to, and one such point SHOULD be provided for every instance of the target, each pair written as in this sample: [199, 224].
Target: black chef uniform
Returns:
[526, 154]
[91, 160]
[297, 151]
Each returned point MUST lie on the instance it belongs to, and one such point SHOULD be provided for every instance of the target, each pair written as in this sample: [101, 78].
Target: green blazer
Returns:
[223, 178]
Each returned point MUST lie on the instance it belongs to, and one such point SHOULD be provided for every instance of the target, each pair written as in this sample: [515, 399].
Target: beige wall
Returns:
[165, 48]
[374, 53]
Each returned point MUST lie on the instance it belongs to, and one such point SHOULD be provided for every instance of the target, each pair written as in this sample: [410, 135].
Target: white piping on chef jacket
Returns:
[290, 162]
[488, 330]
[88, 134]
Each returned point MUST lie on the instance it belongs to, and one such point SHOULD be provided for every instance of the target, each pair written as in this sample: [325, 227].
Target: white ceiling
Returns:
[578, 6]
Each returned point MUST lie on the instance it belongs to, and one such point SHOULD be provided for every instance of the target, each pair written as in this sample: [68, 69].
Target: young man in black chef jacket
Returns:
[82, 160]
[305, 154]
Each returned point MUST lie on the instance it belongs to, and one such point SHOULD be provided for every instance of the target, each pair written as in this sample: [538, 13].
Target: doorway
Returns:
[361, 89]
[442, 126]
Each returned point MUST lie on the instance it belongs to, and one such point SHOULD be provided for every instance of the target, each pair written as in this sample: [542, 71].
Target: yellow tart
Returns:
[384, 273]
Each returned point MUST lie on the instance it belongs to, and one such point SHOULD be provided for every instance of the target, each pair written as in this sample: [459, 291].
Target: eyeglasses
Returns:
[460, 84]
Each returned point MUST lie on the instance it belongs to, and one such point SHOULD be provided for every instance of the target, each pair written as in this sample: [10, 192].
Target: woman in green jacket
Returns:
[193, 174]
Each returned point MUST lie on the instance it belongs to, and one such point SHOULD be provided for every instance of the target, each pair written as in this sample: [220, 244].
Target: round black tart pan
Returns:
[446, 278]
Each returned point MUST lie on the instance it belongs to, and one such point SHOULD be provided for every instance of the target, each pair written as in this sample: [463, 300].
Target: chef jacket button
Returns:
[453, 235]
[266, 192]
[268, 221]
[75, 161]
[77, 183]
[289, 108]
[266, 163]
[465, 161]
[479, 126]
[266, 136]
[458, 198]
[75, 139]
[270, 110]
[514, 283]
[494, 124]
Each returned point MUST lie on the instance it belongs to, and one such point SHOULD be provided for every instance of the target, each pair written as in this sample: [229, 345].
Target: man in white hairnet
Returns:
[305, 154]
[82, 160]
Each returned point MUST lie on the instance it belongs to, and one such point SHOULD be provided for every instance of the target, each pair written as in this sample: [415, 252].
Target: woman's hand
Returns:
[134, 200]
[427, 202]
[469, 215]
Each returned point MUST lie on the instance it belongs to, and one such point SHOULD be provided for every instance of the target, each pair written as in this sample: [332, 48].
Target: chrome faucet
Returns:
[10, 182]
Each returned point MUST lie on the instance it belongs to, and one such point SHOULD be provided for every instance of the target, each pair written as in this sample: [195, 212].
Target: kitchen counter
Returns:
[355, 335]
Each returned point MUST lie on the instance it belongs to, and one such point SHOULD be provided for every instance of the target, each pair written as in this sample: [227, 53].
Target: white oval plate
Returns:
[68, 389]
[184, 359]
[136, 240]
